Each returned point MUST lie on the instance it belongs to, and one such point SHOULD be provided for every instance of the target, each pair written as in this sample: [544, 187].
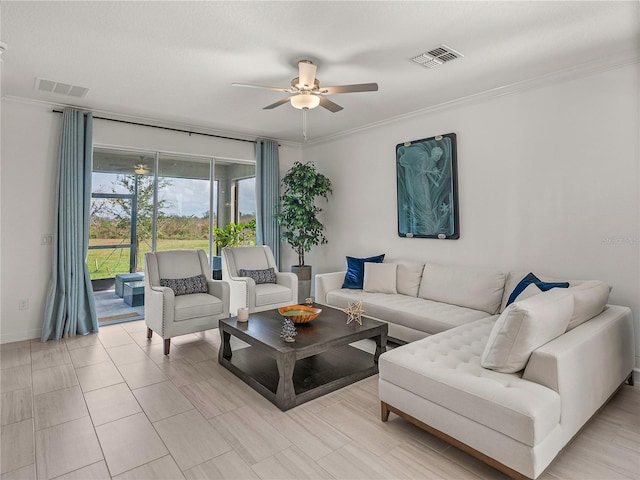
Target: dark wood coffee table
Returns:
[318, 362]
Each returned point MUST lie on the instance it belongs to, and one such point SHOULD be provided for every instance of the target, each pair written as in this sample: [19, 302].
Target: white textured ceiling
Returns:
[175, 61]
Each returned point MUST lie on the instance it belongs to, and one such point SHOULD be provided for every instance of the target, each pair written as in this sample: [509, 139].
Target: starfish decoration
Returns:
[354, 311]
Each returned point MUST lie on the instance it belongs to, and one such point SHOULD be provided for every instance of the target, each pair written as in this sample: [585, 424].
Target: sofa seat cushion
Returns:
[196, 305]
[445, 369]
[268, 293]
[416, 313]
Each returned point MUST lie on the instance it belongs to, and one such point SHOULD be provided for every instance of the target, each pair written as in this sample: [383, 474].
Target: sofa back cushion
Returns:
[525, 326]
[531, 285]
[590, 296]
[514, 278]
[589, 300]
[408, 276]
[476, 288]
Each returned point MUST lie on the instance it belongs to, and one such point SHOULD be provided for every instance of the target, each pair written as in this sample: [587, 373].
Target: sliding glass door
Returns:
[184, 203]
[151, 201]
[122, 193]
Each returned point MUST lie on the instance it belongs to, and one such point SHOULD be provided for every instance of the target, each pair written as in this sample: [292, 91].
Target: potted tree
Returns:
[303, 184]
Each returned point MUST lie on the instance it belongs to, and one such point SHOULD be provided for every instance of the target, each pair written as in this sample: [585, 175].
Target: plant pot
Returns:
[217, 267]
[304, 281]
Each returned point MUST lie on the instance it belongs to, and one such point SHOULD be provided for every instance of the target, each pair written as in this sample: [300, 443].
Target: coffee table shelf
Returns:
[320, 361]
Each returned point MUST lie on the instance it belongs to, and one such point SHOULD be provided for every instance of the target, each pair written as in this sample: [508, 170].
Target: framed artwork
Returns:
[428, 188]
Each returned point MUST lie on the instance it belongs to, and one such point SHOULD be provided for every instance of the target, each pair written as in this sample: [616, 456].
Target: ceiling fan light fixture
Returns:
[305, 101]
[141, 169]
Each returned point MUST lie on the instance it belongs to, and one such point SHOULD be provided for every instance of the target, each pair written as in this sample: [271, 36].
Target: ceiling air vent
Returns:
[61, 88]
[437, 56]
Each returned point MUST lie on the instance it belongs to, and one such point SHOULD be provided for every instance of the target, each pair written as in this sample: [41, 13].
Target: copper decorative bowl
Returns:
[299, 313]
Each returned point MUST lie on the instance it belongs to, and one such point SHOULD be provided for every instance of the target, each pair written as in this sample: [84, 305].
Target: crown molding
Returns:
[567, 74]
[577, 71]
[149, 120]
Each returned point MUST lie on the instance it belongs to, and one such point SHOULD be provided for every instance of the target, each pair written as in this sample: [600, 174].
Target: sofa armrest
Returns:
[220, 289]
[586, 365]
[158, 308]
[326, 282]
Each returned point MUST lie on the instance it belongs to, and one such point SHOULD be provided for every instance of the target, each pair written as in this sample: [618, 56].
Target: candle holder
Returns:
[243, 314]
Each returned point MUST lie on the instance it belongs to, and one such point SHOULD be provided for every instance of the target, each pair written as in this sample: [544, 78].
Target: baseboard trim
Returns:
[636, 374]
[20, 336]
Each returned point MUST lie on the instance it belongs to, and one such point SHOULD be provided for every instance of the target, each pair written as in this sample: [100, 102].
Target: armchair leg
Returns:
[149, 332]
[167, 345]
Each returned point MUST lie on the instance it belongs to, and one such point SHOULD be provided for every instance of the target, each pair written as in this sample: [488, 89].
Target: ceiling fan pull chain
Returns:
[304, 123]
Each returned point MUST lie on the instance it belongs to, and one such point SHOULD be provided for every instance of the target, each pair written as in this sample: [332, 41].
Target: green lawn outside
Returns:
[109, 262]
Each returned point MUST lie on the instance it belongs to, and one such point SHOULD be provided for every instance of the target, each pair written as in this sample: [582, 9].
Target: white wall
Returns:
[30, 142]
[30, 139]
[548, 182]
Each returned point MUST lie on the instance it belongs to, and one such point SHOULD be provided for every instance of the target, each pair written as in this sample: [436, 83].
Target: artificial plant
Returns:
[235, 234]
[302, 185]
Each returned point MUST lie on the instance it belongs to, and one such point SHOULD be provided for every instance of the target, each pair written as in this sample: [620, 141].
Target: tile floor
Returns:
[112, 405]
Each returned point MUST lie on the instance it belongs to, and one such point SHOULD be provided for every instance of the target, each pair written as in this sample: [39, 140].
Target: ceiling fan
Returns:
[306, 92]
[141, 169]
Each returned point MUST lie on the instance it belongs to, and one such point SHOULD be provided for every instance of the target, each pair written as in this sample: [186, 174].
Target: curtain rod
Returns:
[168, 128]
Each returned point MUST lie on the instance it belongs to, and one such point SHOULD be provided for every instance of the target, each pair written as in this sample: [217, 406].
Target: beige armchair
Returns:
[244, 290]
[170, 314]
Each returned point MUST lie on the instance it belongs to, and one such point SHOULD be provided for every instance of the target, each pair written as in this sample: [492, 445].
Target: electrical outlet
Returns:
[46, 239]
[23, 304]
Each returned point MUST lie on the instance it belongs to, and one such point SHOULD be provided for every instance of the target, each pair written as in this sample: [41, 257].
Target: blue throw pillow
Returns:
[355, 271]
[528, 280]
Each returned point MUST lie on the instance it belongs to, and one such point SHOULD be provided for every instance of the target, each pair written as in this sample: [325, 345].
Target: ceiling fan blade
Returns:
[329, 105]
[307, 73]
[277, 104]
[360, 87]
[277, 89]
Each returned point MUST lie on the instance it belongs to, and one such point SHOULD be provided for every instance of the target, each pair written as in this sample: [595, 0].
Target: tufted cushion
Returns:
[186, 286]
[266, 275]
[445, 369]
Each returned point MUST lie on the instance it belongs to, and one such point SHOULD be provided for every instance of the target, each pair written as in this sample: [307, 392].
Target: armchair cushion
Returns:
[196, 305]
[267, 275]
[186, 286]
[269, 293]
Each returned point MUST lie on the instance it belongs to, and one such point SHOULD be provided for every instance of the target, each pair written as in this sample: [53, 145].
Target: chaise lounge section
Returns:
[517, 422]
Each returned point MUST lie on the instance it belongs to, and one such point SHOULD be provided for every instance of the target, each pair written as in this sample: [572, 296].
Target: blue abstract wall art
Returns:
[428, 188]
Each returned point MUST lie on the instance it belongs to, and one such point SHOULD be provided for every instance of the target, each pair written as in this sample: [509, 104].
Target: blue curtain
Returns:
[70, 307]
[268, 195]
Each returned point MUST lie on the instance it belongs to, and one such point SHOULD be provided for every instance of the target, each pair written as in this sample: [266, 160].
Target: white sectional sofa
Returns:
[453, 319]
